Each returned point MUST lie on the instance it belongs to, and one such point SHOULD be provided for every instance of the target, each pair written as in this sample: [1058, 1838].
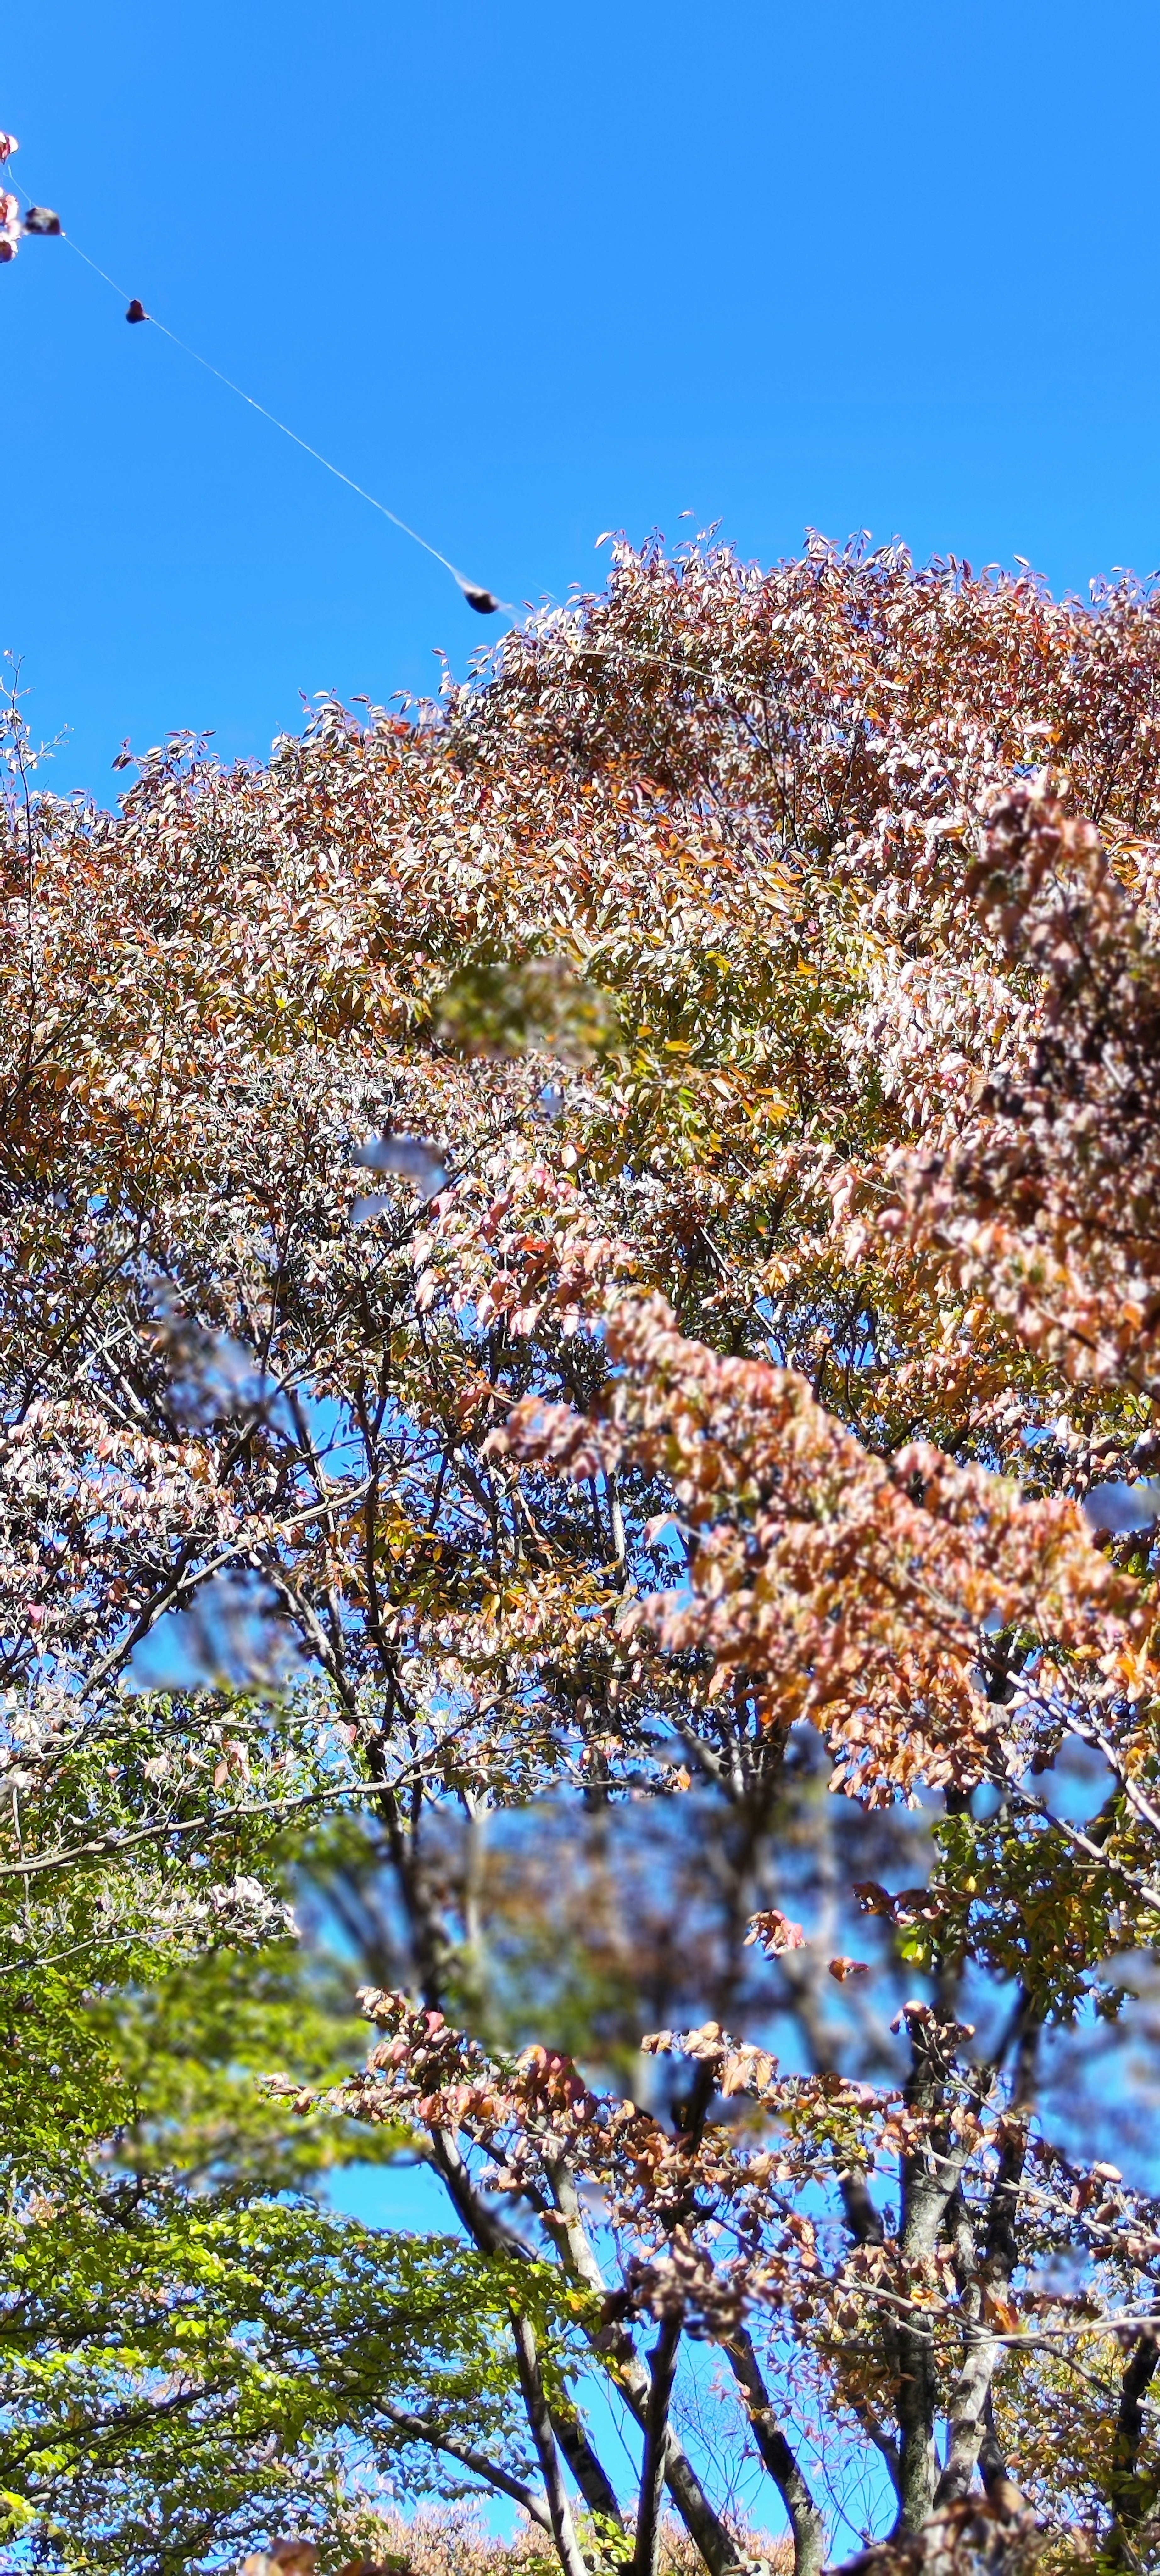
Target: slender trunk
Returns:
[492, 2237]
[973, 2439]
[596, 2488]
[705, 2528]
[431, 1946]
[536, 2408]
[929, 2179]
[620, 2358]
[1131, 2496]
[616, 1519]
[862, 2218]
[917, 2399]
[709, 2534]
[432, 1951]
[663, 2370]
[971, 2391]
[806, 2523]
[1000, 2487]
[972, 2434]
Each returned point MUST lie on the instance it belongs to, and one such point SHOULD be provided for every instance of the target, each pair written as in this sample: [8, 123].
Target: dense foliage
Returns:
[659, 1578]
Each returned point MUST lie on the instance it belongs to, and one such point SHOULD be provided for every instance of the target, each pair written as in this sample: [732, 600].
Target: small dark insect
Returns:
[136, 311]
[41, 219]
[484, 601]
[7, 250]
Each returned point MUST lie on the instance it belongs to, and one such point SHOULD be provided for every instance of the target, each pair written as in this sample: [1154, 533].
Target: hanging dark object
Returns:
[45, 221]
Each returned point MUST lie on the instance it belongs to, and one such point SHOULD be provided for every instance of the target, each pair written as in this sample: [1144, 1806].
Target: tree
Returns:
[664, 1573]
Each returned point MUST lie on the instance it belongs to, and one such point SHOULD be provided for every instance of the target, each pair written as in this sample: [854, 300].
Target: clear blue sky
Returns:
[533, 270]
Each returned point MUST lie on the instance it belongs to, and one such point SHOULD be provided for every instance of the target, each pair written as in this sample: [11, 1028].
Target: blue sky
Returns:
[533, 271]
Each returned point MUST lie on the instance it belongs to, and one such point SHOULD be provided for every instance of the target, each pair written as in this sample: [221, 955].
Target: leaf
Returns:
[775, 1932]
[1001, 2314]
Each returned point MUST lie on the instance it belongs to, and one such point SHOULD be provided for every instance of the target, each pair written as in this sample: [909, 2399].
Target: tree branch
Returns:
[662, 2372]
[619, 2356]
[536, 2408]
[970, 2407]
[416, 2428]
[1131, 2495]
[806, 2523]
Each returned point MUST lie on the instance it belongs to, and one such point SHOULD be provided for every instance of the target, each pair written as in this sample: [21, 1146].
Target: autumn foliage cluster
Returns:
[580, 1333]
